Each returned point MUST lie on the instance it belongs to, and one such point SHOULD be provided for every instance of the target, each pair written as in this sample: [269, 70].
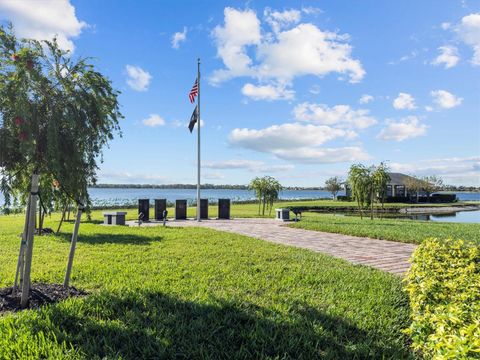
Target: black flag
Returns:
[193, 120]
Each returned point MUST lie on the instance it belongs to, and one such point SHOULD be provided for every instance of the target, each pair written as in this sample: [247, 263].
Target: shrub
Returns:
[444, 288]
[344, 198]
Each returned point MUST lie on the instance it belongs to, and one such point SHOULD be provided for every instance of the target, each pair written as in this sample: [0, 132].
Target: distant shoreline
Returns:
[241, 187]
[190, 186]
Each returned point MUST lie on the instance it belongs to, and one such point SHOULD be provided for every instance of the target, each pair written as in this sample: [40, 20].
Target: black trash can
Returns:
[203, 208]
[144, 208]
[181, 210]
[160, 206]
[224, 208]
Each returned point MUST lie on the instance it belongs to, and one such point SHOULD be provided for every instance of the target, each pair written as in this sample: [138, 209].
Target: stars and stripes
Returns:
[194, 92]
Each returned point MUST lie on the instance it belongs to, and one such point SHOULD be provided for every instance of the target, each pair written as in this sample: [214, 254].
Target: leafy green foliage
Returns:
[444, 288]
[369, 185]
[198, 293]
[56, 114]
[334, 185]
[266, 190]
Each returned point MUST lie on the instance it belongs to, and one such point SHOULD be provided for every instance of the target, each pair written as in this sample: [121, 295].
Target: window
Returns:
[400, 190]
[389, 190]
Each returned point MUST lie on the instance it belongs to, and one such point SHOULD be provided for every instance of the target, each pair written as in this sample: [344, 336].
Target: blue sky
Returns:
[296, 90]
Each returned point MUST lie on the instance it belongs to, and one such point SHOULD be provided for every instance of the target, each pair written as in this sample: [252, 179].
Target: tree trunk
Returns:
[372, 197]
[61, 220]
[73, 245]
[30, 237]
[21, 255]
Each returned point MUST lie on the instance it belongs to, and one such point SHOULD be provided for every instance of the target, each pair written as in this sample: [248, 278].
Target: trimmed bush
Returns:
[444, 288]
[344, 198]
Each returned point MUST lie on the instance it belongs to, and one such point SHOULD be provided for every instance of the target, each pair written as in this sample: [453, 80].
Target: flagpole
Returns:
[198, 142]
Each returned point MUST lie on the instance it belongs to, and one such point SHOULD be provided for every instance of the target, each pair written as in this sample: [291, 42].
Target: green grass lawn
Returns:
[198, 293]
[409, 231]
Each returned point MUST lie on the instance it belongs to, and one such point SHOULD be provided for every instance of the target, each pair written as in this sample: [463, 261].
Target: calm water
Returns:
[123, 196]
[112, 197]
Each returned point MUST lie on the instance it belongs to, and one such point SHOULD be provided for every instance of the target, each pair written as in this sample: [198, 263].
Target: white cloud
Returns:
[154, 120]
[286, 136]
[311, 10]
[404, 101]
[445, 100]
[429, 108]
[241, 28]
[298, 142]
[283, 55]
[448, 56]
[445, 25]
[114, 177]
[455, 170]
[340, 115]
[281, 19]
[324, 155]
[250, 165]
[306, 50]
[43, 20]
[138, 79]
[267, 92]
[469, 32]
[213, 176]
[179, 37]
[365, 99]
[406, 128]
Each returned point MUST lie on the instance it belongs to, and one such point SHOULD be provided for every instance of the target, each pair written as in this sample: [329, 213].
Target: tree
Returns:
[432, 184]
[333, 185]
[56, 115]
[414, 185]
[368, 185]
[266, 191]
[380, 181]
[358, 180]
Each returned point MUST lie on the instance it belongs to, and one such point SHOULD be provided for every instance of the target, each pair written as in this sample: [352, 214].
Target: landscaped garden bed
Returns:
[41, 294]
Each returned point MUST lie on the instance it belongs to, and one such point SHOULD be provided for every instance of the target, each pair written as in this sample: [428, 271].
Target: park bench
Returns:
[114, 218]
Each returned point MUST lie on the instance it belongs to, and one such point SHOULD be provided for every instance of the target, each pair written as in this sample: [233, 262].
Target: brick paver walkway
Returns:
[385, 255]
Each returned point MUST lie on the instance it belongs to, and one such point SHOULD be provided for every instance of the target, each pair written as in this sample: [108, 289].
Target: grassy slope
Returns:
[409, 231]
[197, 293]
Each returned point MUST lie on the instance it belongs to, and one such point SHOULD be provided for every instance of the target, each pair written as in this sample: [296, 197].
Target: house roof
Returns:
[398, 178]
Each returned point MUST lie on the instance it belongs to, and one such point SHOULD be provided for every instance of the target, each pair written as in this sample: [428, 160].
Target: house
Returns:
[396, 187]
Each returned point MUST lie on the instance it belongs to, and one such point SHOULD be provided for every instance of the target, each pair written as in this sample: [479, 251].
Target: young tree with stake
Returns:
[56, 115]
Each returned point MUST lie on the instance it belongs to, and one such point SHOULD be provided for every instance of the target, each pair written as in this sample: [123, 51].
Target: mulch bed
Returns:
[40, 294]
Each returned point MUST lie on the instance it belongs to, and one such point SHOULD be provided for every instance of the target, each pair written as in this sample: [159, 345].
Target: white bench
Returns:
[114, 218]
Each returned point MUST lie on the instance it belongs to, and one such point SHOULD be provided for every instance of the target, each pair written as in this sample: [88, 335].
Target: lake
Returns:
[131, 195]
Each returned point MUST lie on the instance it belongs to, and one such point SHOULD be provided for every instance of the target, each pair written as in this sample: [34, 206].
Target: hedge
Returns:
[444, 288]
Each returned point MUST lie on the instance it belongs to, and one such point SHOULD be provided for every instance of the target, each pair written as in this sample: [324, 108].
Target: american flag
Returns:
[193, 92]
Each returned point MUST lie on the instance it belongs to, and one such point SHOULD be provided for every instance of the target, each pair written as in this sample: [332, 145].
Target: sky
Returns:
[298, 90]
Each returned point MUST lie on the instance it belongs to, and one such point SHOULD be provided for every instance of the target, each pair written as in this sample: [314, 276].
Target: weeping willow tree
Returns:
[368, 185]
[56, 115]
